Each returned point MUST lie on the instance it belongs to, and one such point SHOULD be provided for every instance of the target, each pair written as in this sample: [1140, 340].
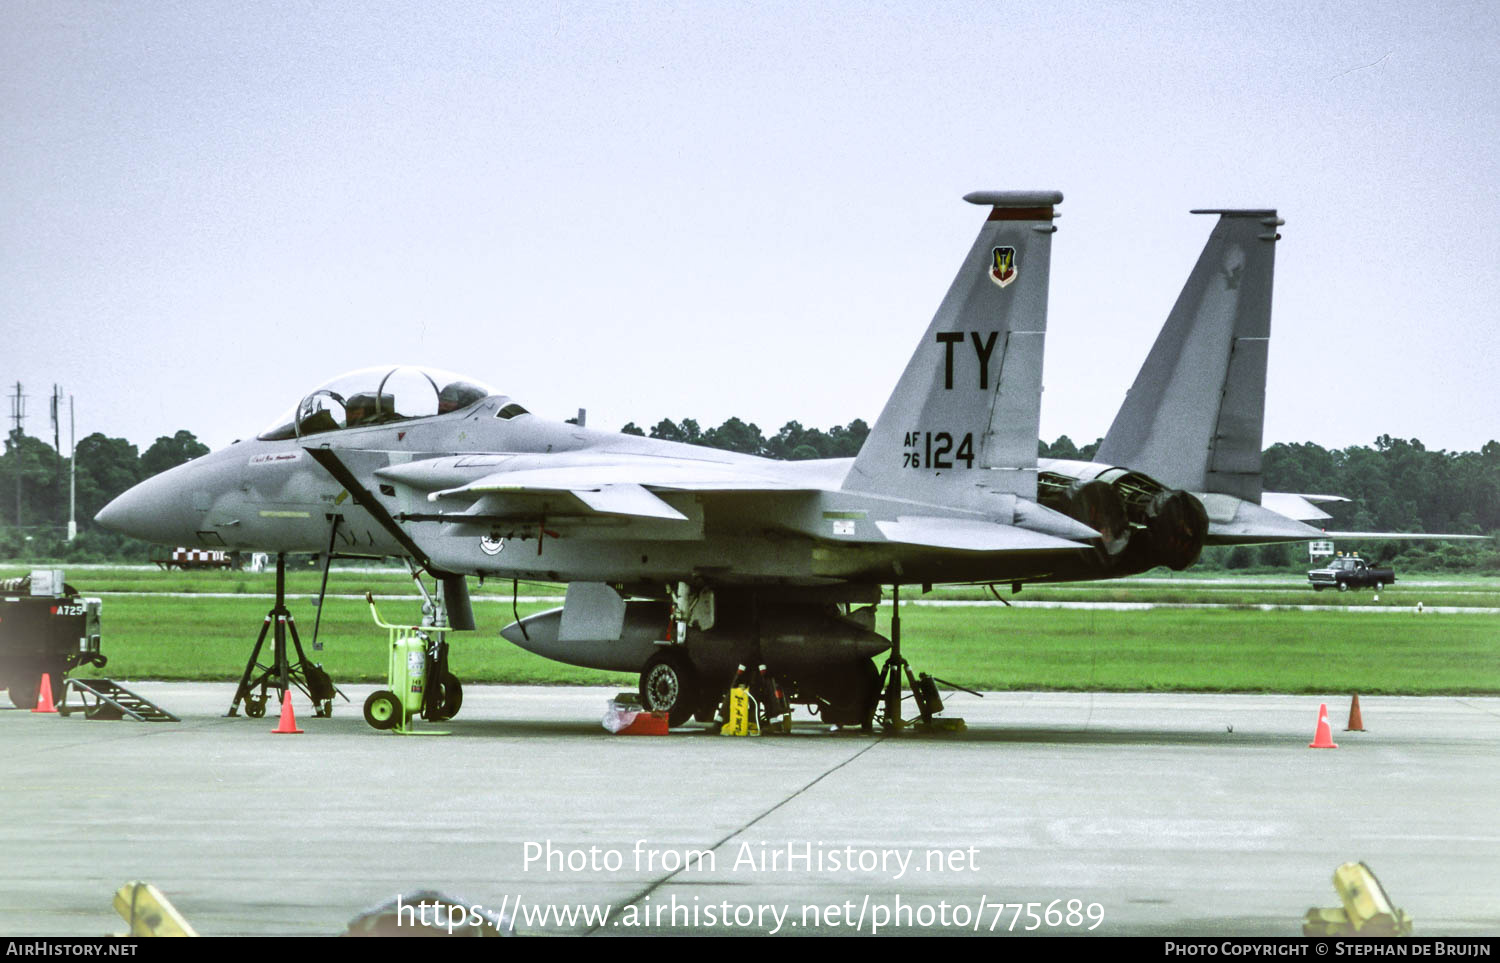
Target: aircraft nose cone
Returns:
[148, 511]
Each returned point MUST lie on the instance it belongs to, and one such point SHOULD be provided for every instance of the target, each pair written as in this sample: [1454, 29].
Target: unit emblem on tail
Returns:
[1003, 268]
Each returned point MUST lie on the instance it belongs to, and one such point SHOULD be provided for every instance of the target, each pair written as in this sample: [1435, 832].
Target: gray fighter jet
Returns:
[683, 563]
[733, 558]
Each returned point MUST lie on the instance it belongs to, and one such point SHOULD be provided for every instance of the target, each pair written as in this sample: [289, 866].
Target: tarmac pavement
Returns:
[1066, 813]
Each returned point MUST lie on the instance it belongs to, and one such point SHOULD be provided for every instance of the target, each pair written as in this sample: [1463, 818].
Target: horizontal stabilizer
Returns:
[1316, 499]
[1304, 508]
[1233, 521]
[1401, 536]
[970, 535]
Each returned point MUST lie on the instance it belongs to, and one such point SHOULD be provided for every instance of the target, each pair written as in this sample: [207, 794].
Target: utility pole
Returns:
[18, 417]
[72, 473]
[56, 444]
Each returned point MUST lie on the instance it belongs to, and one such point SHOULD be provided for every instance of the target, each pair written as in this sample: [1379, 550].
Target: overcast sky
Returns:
[716, 209]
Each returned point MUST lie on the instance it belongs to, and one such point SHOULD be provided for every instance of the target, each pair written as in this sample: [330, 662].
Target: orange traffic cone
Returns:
[288, 725]
[1323, 738]
[44, 696]
[1356, 722]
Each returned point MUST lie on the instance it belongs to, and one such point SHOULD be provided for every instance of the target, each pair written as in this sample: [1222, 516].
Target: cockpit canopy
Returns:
[377, 396]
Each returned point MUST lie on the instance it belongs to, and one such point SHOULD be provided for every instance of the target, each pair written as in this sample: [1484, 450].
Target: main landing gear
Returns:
[691, 679]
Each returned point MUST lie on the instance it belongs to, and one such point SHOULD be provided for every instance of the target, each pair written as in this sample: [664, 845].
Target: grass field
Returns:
[1231, 648]
[1210, 588]
[992, 647]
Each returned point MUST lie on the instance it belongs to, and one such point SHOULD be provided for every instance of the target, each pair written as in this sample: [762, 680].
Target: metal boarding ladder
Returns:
[111, 701]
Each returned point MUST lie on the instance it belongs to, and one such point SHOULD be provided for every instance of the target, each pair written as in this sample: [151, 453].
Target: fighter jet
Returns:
[684, 563]
[681, 562]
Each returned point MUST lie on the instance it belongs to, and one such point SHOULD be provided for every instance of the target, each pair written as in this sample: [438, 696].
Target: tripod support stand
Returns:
[924, 688]
[896, 667]
[282, 673]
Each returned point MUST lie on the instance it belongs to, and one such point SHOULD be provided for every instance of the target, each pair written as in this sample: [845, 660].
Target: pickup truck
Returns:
[1346, 573]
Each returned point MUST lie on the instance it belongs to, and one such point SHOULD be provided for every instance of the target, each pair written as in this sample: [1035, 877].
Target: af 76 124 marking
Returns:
[926, 449]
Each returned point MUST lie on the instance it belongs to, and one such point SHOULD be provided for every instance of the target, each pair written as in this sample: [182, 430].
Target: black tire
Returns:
[1343, 586]
[850, 697]
[1379, 586]
[255, 708]
[26, 686]
[19, 687]
[450, 697]
[708, 710]
[670, 684]
[383, 710]
[1319, 588]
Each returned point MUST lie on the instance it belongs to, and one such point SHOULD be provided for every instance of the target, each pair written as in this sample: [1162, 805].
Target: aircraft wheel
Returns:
[669, 684]
[451, 697]
[708, 712]
[1343, 586]
[850, 697]
[255, 708]
[382, 710]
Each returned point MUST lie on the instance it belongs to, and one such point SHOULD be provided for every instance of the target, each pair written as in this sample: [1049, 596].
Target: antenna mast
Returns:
[18, 418]
[72, 473]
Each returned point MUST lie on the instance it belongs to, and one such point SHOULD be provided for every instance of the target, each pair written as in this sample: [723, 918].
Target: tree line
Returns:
[1394, 485]
[792, 443]
[35, 510]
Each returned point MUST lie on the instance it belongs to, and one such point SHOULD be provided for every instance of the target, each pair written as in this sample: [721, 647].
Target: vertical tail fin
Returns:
[965, 415]
[1193, 417]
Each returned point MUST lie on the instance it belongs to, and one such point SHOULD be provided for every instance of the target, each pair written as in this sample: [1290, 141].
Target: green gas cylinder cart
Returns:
[418, 676]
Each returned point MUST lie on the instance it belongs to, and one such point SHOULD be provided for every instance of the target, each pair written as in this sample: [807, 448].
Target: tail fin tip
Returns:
[1014, 198]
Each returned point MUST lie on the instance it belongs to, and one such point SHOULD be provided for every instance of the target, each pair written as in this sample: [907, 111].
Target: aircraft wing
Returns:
[632, 485]
[510, 487]
[658, 473]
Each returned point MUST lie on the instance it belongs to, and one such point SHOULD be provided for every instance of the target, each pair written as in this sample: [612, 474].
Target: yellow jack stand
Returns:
[742, 715]
[1367, 911]
[148, 912]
